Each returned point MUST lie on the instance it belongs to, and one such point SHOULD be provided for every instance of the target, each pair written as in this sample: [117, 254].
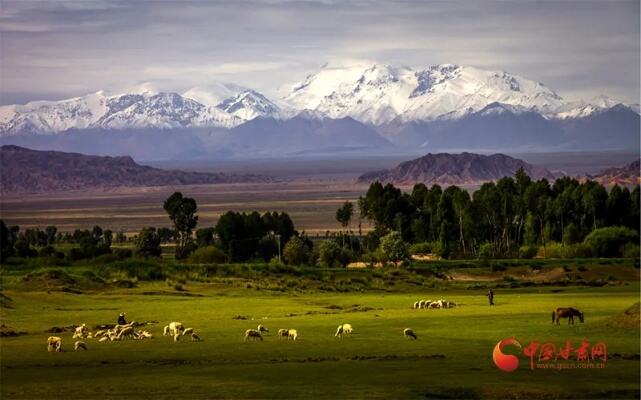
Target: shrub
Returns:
[332, 255]
[421, 248]
[582, 250]
[295, 251]
[486, 251]
[527, 252]
[551, 250]
[24, 250]
[631, 250]
[208, 255]
[143, 270]
[122, 254]
[393, 246]
[148, 243]
[609, 242]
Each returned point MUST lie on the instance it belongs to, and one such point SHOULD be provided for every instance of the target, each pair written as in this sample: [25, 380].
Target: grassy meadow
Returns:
[452, 357]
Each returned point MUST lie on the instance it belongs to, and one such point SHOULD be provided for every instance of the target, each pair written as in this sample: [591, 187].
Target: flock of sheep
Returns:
[177, 330]
[433, 304]
[117, 333]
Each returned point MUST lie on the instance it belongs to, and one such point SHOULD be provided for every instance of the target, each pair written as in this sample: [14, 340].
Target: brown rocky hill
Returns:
[455, 169]
[627, 175]
[24, 170]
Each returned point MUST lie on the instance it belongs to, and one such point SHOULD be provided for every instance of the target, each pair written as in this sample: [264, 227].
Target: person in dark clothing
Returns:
[121, 319]
[490, 296]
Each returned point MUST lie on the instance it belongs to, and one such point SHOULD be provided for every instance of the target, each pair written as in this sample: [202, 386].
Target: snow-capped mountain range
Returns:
[374, 95]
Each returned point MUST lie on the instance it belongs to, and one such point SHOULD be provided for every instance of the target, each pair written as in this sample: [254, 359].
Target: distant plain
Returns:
[310, 190]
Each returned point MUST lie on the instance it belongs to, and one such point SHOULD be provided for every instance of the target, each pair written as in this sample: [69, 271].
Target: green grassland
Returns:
[451, 358]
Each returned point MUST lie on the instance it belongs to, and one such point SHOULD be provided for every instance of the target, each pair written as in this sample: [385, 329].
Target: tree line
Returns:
[499, 219]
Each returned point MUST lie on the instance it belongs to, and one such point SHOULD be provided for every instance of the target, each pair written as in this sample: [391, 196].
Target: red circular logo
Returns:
[505, 362]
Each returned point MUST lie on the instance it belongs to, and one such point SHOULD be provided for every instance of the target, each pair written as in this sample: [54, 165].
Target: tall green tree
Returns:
[182, 212]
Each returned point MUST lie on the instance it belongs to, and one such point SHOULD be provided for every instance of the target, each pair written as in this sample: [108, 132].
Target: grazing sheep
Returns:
[79, 345]
[104, 339]
[292, 334]
[195, 337]
[253, 334]
[144, 335]
[81, 331]
[188, 331]
[129, 331]
[421, 304]
[344, 329]
[409, 333]
[100, 333]
[283, 333]
[415, 305]
[262, 329]
[54, 343]
[173, 328]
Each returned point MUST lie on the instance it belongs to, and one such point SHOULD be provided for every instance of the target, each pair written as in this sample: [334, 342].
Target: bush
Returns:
[527, 252]
[427, 248]
[332, 255]
[551, 250]
[122, 254]
[486, 251]
[421, 248]
[610, 241]
[143, 270]
[208, 255]
[148, 243]
[393, 246]
[295, 251]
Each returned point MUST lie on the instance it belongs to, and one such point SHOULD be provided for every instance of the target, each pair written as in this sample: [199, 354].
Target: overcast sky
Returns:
[59, 49]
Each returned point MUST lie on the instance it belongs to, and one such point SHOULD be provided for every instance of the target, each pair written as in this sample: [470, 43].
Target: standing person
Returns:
[490, 296]
[121, 319]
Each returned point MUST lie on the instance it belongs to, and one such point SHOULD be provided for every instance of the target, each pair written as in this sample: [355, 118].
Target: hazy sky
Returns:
[58, 49]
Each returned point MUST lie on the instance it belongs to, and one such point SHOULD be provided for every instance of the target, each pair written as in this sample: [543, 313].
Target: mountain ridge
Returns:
[373, 94]
[454, 169]
[32, 171]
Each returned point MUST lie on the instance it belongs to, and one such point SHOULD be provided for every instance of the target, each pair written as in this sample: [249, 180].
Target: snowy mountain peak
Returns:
[249, 104]
[381, 93]
[137, 110]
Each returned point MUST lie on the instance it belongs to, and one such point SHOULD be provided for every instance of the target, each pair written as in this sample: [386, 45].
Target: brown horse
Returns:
[566, 312]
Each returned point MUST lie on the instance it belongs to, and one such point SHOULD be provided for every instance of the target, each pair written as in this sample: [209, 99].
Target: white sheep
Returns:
[253, 334]
[409, 333]
[81, 331]
[415, 305]
[173, 328]
[292, 334]
[129, 331]
[421, 304]
[283, 333]
[144, 335]
[104, 339]
[262, 329]
[344, 329]
[79, 345]
[54, 343]
[177, 336]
